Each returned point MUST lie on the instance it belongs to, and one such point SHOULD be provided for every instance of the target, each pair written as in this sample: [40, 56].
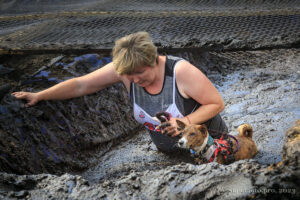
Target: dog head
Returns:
[193, 136]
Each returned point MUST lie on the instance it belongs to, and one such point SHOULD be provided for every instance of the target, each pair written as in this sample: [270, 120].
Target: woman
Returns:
[156, 83]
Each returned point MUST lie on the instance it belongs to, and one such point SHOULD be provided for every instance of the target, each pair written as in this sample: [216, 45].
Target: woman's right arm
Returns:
[74, 87]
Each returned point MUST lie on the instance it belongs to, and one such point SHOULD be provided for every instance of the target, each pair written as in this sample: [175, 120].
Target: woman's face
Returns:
[143, 76]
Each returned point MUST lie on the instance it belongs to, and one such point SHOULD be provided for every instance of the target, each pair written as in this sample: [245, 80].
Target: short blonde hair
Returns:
[133, 51]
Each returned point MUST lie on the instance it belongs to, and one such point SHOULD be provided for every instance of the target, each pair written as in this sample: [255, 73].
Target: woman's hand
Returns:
[170, 127]
[30, 97]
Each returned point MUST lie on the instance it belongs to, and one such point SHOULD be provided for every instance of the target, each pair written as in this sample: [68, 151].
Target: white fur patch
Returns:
[182, 142]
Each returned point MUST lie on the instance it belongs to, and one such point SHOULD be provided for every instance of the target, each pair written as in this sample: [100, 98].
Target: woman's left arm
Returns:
[192, 83]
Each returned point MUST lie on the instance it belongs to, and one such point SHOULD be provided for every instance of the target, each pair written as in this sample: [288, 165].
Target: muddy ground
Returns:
[91, 147]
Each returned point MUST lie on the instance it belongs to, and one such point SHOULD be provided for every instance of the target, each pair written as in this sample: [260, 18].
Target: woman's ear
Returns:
[181, 125]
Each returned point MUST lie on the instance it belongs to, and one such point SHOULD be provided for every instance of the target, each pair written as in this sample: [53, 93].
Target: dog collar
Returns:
[192, 151]
[210, 142]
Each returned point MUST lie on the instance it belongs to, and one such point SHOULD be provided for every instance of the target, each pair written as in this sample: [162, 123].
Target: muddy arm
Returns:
[74, 87]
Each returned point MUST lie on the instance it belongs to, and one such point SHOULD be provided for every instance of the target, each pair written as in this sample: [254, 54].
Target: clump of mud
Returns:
[111, 157]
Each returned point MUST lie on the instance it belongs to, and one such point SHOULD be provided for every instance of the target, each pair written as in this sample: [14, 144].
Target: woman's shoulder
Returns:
[186, 70]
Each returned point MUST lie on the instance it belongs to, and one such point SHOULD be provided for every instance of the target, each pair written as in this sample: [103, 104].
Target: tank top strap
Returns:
[174, 80]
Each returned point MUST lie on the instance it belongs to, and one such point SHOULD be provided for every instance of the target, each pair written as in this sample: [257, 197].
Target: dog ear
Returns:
[181, 125]
[202, 128]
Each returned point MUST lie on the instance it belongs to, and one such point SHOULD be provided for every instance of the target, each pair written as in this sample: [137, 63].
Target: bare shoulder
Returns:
[187, 77]
[184, 67]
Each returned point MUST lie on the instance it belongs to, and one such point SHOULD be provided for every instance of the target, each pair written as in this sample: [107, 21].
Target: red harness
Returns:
[223, 146]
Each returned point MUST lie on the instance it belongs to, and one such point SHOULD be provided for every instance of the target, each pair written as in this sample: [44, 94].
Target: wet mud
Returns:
[91, 147]
[52, 136]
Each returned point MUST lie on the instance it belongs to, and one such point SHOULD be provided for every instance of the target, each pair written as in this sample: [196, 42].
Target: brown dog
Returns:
[197, 139]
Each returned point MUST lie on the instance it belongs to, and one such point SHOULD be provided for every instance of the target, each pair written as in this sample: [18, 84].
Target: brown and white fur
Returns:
[195, 137]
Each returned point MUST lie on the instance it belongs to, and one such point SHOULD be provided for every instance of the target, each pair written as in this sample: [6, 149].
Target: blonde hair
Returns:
[133, 51]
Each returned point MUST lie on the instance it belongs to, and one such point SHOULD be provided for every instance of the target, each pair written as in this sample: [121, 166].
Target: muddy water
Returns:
[268, 98]
[261, 88]
[270, 106]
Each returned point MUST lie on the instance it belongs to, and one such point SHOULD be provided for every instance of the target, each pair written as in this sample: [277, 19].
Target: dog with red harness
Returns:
[225, 150]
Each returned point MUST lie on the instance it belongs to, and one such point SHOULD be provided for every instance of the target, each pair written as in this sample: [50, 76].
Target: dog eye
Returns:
[193, 134]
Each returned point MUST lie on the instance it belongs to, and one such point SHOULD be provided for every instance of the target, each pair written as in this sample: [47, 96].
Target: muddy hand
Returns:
[162, 126]
[168, 129]
[163, 116]
[175, 130]
[31, 98]
[168, 125]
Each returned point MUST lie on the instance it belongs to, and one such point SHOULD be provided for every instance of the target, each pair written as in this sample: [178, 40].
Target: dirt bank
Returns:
[59, 136]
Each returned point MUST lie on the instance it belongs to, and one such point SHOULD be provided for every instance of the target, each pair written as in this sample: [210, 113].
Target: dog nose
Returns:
[180, 142]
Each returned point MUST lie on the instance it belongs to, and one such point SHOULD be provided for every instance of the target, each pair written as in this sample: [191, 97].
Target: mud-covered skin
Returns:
[259, 87]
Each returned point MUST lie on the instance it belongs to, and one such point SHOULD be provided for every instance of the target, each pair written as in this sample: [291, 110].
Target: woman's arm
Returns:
[192, 83]
[74, 87]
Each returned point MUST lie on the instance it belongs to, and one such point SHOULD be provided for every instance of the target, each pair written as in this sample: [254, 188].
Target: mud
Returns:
[52, 136]
[44, 26]
[91, 147]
